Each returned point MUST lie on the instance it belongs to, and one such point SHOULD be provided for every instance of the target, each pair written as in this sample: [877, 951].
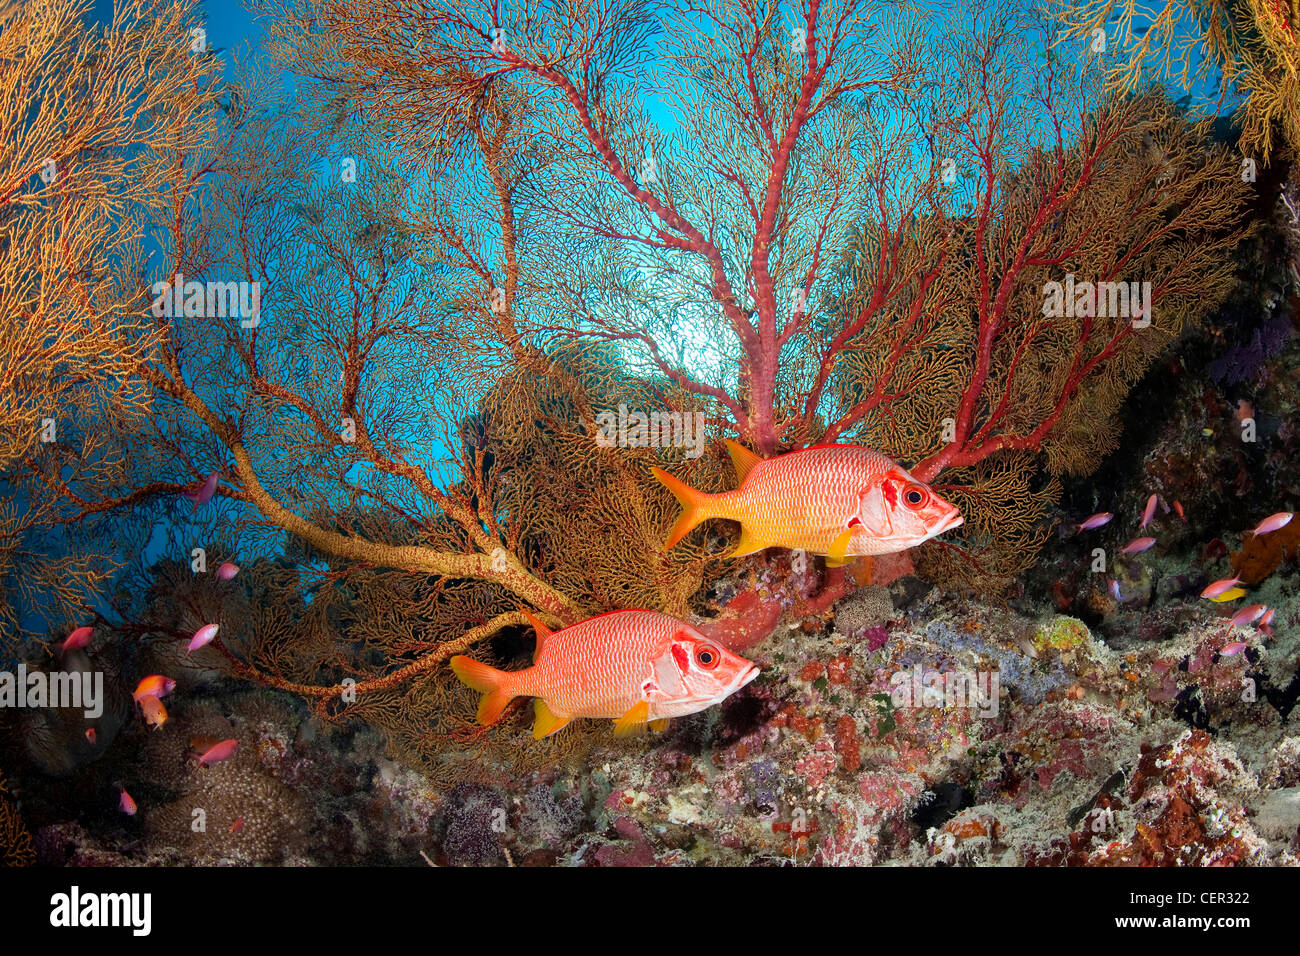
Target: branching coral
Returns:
[406, 442]
[15, 842]
[1254, 44]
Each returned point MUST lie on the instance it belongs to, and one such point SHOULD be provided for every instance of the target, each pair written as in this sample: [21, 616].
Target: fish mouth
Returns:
[745, 677]
[955, 520]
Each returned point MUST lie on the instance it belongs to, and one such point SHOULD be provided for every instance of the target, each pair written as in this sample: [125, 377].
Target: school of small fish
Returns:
[1222, 591]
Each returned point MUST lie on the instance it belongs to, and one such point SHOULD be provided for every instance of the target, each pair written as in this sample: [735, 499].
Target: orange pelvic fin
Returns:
[696, 506]
[838, 554]
[545, 723]
[488, 681]
[634, 720]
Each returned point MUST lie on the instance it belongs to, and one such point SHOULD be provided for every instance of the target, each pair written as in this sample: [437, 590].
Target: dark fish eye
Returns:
[706, 657]
[914, 496]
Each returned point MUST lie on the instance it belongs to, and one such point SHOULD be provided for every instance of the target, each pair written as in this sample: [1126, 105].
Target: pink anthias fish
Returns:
[1137, 545]
[1247, 615]
[1220, 587]
[77, 639]
[155, 685]
[227, 570]
[203, 494]
[1232, 649]
[126, 803]
[218, 752]
[1149, 511]
[1096, 521]
[1272, 523]
[1265, 623]
[155, 714]
[202, 637]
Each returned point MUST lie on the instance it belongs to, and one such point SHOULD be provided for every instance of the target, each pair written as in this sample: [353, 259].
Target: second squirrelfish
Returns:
[838, 500]
[635, 667]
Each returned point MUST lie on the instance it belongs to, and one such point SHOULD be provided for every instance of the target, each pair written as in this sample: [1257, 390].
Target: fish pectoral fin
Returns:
[634, 720]
[545, 722]
[660, 725]
[749, 544]
[837, 556]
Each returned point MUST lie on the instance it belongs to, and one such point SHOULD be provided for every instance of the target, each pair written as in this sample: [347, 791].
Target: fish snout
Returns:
[954, 520]
[744, 677]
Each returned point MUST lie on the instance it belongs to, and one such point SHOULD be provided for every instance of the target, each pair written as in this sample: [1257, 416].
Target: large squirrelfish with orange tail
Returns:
[838, 500]
[636, 667]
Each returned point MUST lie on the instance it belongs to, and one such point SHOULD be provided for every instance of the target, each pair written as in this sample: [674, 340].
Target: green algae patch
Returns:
[1062, 634]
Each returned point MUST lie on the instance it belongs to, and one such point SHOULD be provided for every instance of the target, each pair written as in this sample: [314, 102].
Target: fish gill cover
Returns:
[331, 358]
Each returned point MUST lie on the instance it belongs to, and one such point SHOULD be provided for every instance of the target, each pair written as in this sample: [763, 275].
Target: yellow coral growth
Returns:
[1254, 44]
[15, 842]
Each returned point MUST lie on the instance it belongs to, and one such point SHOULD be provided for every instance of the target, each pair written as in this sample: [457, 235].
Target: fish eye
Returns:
[707, 657]
[915, 496]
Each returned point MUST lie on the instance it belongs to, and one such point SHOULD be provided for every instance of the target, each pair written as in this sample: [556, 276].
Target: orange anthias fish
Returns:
[635, 667]
[838, 500]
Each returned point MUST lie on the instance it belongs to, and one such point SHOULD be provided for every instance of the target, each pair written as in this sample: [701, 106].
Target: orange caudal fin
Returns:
[696, 506]
[489, 682]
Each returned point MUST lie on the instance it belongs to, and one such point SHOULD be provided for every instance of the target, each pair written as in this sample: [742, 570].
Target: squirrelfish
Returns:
[841, 501]
[635, 667]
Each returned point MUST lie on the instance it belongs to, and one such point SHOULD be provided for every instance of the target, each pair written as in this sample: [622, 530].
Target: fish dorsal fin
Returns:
[742, 459]
[543, 632]
[634, 720]
[545, 723]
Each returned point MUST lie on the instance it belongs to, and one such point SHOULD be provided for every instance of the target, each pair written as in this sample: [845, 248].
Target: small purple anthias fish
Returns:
[1265, 623]
[203, 494]
[1149, 511]
[1232, 649]
[1096, 521]
[227, 570]
[202, 637]
[1222, 586]
[1137, 546]
[1114, 590]
[1272, 523]
[78, 638]
[1247, 615]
